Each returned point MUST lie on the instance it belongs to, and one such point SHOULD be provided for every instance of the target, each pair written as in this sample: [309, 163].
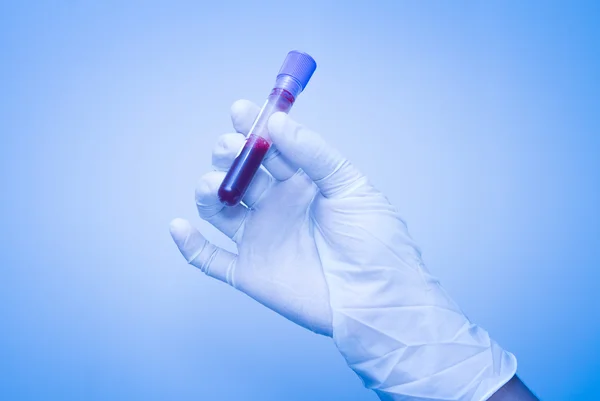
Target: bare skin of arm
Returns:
[513, 390]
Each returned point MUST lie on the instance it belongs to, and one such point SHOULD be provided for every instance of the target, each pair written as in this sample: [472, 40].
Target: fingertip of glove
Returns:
[207, 187]
[277, 123]
[241, 109]
[177, 227]
[189, 241]
[238, 106]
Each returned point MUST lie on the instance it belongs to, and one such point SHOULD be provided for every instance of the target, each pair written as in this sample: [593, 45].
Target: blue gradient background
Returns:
[479, 120]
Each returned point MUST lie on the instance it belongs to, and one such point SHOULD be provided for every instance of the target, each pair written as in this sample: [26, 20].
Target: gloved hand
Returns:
[320, 245]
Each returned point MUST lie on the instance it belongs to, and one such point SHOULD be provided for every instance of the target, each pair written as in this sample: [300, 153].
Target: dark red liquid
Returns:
[242, 170]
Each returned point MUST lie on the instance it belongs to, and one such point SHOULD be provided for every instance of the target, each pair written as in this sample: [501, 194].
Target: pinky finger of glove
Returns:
[197, 251]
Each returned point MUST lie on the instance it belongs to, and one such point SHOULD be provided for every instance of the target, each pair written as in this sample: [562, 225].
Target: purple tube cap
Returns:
[298, 65]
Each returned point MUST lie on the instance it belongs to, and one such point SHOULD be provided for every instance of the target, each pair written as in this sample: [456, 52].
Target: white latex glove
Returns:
[322, 247]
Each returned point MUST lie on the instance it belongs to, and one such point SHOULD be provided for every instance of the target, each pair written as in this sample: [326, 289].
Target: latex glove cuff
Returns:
[407, 340]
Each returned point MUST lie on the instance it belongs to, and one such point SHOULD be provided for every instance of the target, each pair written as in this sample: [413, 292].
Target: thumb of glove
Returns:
[307, 150]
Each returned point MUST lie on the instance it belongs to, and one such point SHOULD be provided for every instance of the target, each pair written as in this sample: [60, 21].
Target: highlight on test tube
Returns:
[293, 76]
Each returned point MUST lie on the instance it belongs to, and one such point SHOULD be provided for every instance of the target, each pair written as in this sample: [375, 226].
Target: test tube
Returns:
[291, 80]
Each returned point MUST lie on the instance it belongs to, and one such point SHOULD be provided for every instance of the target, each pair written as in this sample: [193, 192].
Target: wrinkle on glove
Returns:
[320, 246]
[392, 321]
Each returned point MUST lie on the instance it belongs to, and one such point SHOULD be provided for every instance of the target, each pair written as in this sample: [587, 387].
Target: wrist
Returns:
[416, 344]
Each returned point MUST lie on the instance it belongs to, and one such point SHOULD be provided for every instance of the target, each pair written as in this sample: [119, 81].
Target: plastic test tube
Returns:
[291, 80]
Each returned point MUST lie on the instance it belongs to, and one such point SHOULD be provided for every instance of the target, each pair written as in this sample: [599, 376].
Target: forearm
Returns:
[513, 390]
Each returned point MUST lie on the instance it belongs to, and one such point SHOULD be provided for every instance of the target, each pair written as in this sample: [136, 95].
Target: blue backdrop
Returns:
[480, 120]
